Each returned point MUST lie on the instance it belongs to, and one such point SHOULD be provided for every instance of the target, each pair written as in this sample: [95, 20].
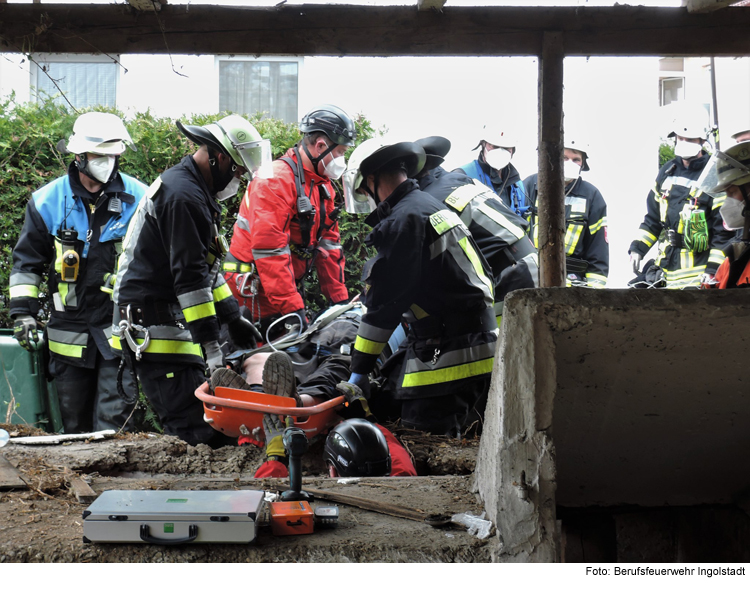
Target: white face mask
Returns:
[686, 150]
[335, 168]
[498, 158]
[101, 167]
[571, 170]
[731, 213]
[230, 190]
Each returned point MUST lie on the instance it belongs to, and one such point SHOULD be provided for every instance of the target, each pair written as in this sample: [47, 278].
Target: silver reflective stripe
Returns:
[171, 333]
[499, 225]
[326, 244]
[108, 332]
[677, 180]
[25, 279]
[441, 245]
[68, 338]
[453, 358]
[373, 333]
[145, 207]
[262, 253]
[243, 223]
[195, 298]
[498, 308]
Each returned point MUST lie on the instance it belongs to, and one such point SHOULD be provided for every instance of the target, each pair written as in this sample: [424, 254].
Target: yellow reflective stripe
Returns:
[716, 257]
[222, 292]
[444, 220]
[476, 263]
[194, 313]
[62, 288]
[572, 236]
[24, 291]
[595, 227]
[369, 347]
[66, 350]
[595, 280]
[719, 201]
[646, 237]
[461, 197]
[536, 236]
[448, 374]
[58, 256]
[229, 267]
[418, 312]
[163, 346]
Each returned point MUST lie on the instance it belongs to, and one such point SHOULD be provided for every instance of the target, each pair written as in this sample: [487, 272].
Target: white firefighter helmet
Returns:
[573, 142]
[369, 157]
[500, 135]
[99, 133]
[689, 121]
[731, 167]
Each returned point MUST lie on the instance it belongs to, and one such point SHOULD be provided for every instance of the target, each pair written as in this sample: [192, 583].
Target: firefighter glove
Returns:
[356, 406]
[273, 430]
[708, 281]
[25, 330]
[244, 334]
[635, 262]
[214, 356]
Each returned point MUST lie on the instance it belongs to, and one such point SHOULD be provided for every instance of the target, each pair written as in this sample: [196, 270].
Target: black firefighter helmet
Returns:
[356, 447]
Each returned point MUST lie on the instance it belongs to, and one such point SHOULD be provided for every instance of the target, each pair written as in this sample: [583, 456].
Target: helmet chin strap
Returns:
[315, 161]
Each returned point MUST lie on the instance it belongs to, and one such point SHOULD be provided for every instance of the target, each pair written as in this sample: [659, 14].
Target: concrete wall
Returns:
[613, 398]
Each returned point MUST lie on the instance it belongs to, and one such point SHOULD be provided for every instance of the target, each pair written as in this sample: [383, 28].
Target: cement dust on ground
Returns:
[43, 523]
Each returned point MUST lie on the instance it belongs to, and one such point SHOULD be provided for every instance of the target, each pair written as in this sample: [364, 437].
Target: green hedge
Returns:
[29, 159]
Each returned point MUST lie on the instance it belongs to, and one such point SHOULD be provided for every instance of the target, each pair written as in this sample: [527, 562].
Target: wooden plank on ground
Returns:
[9, 477]
[369, 505]
[83, 492]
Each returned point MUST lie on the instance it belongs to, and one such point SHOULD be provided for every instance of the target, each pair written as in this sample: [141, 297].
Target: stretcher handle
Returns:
[303, 411]
[147, 537]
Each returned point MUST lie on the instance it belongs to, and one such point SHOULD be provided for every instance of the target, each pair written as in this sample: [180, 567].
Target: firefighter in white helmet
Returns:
[497, 145]
[728, 173]
[693, 236]
[586, 242]
[72, 234]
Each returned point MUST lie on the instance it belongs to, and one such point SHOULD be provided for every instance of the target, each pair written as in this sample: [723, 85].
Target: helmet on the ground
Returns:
[234, 137]
[497, 135]
[436, 148]
[730, 167]
[99, 133]
[690, 121]
[574, 143]
[332, 121]
[356, 447]
[369, 157]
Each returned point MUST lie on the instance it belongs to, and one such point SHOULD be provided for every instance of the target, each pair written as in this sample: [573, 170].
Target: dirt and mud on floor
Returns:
[43, 522]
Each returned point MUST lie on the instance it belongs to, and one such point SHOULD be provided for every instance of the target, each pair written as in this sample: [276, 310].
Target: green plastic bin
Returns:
[24, 384]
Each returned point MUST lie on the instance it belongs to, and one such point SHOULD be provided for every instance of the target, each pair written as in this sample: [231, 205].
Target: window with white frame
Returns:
[269, 86]
[85, 80]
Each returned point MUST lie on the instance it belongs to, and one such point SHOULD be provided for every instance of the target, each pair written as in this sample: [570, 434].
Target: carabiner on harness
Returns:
[127, 328]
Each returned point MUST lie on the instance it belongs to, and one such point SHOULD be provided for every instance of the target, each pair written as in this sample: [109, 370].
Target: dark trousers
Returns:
[88, 397]
[172, 394]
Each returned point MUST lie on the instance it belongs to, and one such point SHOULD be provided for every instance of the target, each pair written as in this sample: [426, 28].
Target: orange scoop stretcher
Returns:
[229, 408]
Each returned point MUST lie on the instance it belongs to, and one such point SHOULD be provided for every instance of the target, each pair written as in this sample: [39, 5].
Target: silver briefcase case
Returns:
[173, 516]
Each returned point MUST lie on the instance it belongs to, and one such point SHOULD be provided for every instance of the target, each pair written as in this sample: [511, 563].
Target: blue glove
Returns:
[362, 381]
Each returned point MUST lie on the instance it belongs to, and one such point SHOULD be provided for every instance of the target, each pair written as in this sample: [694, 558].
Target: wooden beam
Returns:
[344, 30]
[430, 4]
[550, 196]
[706, 5]
[83, 492]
